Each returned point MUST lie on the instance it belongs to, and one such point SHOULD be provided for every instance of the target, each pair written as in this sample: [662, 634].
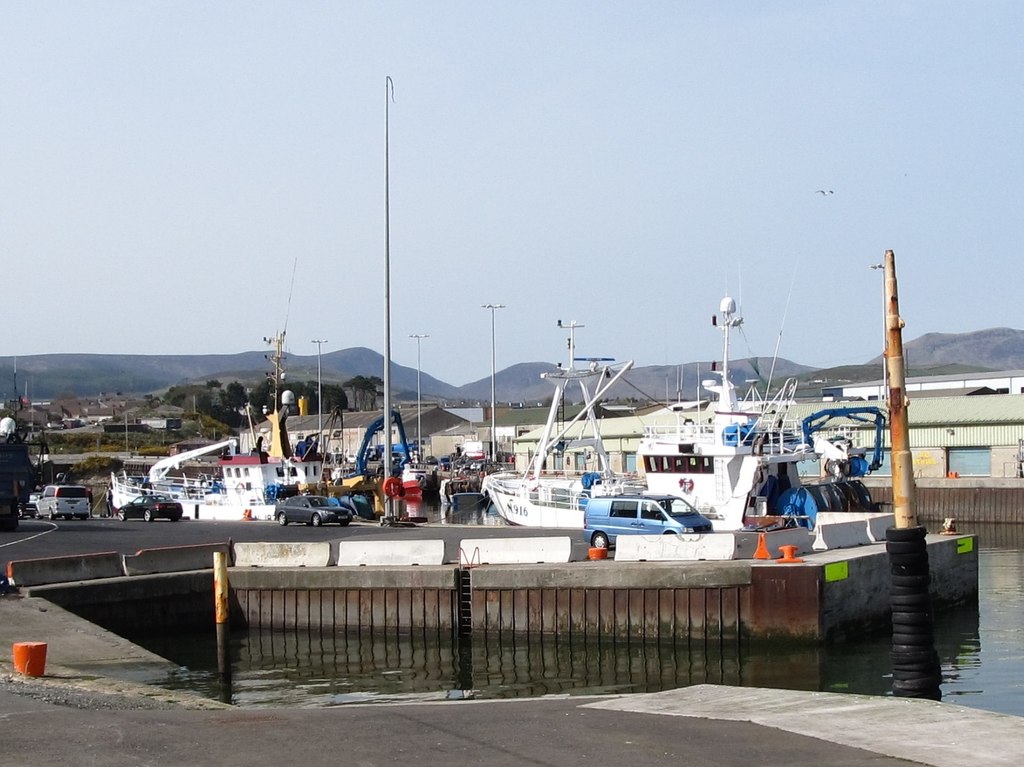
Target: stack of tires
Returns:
[916, 671]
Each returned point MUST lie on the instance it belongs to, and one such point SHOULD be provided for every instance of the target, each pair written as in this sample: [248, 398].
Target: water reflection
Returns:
[313, 669]
[980, 648]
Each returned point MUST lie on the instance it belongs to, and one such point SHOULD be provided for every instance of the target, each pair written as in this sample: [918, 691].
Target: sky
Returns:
[189, 177]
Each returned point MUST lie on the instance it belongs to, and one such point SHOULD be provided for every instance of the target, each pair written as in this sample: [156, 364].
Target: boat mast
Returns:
[279, 445]
[727, 394]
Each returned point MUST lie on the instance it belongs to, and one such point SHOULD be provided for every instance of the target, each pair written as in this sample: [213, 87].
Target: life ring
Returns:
[686, 485]
[393, 488]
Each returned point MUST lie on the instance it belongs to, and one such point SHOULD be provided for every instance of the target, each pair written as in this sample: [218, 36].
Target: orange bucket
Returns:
[598, 553]
[30, 658]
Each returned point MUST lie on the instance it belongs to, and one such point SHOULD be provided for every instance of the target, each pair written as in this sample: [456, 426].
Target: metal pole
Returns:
[319, 396]
[901, 459]
[492, 307]
[389, 91]
[419, 434]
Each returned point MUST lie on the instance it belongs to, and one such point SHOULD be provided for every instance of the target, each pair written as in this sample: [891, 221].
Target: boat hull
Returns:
[547, 502]
[520, 510]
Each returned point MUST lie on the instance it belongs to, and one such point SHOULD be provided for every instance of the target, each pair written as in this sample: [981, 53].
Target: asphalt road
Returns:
[37, 538]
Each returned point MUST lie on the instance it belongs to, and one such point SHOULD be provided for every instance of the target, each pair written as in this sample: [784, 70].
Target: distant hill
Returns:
[85, 375]
[992, 349]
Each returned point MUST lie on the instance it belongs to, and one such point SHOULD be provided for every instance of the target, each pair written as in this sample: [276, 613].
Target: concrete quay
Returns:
[97, 705]
[523, 585]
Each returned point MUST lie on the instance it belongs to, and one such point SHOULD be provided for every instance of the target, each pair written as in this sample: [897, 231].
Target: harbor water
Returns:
[981, 649]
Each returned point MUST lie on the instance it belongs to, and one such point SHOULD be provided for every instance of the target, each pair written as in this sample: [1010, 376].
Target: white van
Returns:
[68, 501]
[607, 517]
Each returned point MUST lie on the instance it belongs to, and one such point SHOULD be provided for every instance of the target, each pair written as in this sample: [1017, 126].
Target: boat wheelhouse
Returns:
[738, 461]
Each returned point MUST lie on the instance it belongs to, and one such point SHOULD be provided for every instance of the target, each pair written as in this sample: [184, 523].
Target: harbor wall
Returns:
[830, 596]
[965, 499]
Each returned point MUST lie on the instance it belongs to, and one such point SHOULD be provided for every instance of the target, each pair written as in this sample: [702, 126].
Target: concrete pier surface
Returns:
[96, 705]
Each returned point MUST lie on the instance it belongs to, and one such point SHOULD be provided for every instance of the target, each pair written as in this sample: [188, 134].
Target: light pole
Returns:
[319, 396]
[885, 336]
[494, 440]
[419, 436]
[389, 95]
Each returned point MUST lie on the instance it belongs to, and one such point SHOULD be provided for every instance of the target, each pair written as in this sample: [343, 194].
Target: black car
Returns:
[30, 509]
[150, 507]
[312, 510]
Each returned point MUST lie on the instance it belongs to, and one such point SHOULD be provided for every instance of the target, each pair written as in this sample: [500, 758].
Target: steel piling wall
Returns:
[967, 500]
[834, 594]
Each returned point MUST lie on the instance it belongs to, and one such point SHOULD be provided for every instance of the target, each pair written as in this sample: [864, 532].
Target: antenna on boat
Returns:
[291, 290]
[572, 339]
[778, 341]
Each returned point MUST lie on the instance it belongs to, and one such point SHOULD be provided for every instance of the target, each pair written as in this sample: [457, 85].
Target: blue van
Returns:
[608, 517]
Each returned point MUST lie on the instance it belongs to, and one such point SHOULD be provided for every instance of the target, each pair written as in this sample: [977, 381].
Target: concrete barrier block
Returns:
[681, 547]
[173, 559]
[395, 553]
[878, 524]
[514, 551]
[312, 554]
[840, 535]
[875, 524]
[80, 567]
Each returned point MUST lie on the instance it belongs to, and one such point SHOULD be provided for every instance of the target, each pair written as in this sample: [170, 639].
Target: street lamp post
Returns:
[885, 336]
[419, 435]
[319, 396]
[494, 440]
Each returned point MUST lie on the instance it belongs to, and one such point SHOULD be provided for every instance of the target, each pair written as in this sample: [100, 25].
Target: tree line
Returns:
[233, 403]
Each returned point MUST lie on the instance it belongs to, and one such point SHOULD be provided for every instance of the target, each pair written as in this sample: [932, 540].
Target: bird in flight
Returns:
[825, 191]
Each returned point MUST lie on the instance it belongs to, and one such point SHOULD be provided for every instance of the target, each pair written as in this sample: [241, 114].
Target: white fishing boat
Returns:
[737, 462]
[548, 494]
[247, 486]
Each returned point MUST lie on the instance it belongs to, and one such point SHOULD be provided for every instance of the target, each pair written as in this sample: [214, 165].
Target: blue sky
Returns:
[189, 177]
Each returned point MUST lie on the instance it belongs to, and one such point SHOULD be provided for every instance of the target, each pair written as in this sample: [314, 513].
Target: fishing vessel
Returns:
[246, 486]
[737, 461]
[549, 494]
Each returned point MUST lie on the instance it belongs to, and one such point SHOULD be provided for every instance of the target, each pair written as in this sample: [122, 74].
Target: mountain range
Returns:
[48, 376]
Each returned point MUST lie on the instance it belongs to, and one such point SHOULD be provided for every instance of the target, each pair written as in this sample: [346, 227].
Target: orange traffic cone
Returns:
[247, 515]
[788, 555]
[762, 548]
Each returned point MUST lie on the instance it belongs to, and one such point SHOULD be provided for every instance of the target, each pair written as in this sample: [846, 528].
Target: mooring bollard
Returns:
[30, 658]
[788, 555]
[220, 597]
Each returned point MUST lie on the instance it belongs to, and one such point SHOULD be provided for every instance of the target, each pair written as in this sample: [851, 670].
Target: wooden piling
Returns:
[901, 458]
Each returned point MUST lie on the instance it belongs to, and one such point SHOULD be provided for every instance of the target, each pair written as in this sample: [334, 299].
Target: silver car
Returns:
[313, 510]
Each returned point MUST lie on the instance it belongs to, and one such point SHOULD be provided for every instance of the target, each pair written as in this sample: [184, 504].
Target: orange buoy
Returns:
[30, 658]
[393, 487]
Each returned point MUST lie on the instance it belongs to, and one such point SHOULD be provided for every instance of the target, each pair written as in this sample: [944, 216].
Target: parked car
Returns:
[313, 510]
[30, 508]
[608, 517]
[150, 507]
[67, 501]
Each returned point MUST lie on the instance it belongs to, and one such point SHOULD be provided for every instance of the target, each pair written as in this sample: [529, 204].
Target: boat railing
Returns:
[687, 432]
[768, 434]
